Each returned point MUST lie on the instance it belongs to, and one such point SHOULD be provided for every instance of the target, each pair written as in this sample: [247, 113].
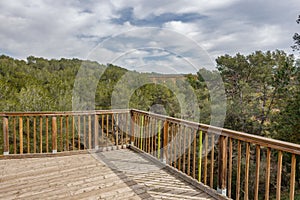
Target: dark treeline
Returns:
[262, 90]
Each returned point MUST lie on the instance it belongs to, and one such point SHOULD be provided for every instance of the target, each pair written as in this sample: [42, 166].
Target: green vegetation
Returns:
[262, 90]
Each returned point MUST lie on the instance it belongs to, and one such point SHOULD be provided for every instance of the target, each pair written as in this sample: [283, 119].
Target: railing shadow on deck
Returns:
[236, 164]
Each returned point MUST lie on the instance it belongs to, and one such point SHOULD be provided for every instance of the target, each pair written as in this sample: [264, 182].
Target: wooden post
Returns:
[21, 134]
[132, 121]
[96, 131]
[247, 166]
[268, 171]
[5, 136]
[293, 174]
[116, 127]
[67, 133]
[222, 165]
[200, 155]
[229, 168]
[78, 131]
[90, 132]
[256, 186]
[279, 170]
[47, 129]
[28, 137]
[41, 134]
[211, 183]
[54, 135]
[73, 133]
[165, 142]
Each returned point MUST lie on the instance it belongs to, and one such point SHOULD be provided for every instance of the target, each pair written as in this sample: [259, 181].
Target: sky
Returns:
[159, 36]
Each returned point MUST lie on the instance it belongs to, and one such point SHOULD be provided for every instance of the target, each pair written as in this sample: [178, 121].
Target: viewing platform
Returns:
[132, 154]
[118, 174]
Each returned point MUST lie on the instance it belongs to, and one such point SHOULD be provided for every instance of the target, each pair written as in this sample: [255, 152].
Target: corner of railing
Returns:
[131, 126]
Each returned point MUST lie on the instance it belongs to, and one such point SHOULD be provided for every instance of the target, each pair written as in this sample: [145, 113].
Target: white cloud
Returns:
[55, 29]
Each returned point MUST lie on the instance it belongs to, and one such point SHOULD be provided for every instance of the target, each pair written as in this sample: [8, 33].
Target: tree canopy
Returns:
[262, 90]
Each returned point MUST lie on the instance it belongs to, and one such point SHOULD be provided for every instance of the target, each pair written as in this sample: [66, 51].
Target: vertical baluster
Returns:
[61, 133]
[90, 131]
[256, 186]
[21, 134]
[112, 125]
[136, 130]
[67, 133]
[212, 161]
[73, 132]
[122, 129]
[170, 149]
[194, 153]
[159, 139]
[230, 168]
[145, 134]
[268, 170]
[34, 135]
[279, 170]
[189, 154]
[126, 129]
[174, 127]
[200, 156]
[41, 134]
[107, 125]
[173, 146]
[96, 131]
[222, 164]
[28, 135]
[184, 143]
[54, 135]
[246, 194]
[102, 129]
[238, 179]
[47, 129]
[205, 158]
[78, 131]
[141, 131]
[165, 140]
[152, 135]
[132, 127]
[148, 135]
[293, 175]
[179, 148]
[117, 129]
[5, 136]
[84, 132]
[15, 135]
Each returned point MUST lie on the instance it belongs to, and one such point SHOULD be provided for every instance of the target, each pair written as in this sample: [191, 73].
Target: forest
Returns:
[262, 90]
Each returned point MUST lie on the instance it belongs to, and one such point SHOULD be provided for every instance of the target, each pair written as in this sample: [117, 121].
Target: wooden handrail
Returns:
[39, 132]
[245, 137]
[61, 113]
[227, 148]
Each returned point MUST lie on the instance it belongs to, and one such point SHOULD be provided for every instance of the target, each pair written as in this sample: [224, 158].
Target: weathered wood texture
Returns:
[120, 174]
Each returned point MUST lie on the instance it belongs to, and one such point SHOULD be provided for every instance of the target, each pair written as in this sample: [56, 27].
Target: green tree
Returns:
[255, 86]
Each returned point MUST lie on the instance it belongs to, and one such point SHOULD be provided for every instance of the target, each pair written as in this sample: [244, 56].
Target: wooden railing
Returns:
[44, 132]
[237, 164]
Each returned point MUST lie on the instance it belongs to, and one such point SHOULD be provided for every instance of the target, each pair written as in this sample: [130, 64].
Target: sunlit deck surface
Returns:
[118, 174]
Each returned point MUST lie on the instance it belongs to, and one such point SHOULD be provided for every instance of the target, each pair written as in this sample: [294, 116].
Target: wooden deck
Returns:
[119, 174]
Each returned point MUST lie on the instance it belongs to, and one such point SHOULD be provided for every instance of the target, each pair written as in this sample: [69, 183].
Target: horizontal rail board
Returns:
[63, 113]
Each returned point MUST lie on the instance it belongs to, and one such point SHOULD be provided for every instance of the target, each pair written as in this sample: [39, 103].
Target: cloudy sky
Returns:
[146, 35]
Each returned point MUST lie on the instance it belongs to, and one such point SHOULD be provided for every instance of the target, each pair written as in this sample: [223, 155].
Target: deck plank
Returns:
[120, 174]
